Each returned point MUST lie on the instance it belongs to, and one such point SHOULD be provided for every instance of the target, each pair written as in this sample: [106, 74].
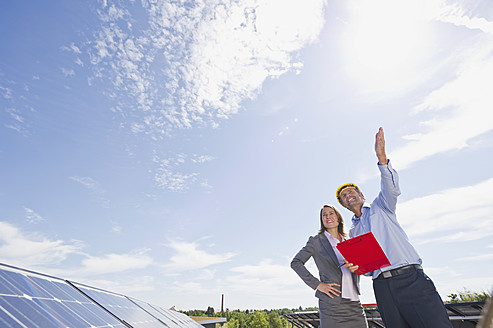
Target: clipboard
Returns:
[364, 250]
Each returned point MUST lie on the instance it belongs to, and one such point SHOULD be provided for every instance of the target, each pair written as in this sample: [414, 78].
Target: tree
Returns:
[467, 296]
[276, 322]
[233, 323]
[251, 318]
[210, 311]
[240, 317]
[259, 320]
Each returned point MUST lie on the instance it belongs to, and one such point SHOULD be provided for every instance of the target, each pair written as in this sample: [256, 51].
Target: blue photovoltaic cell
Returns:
[123, 308]
[171, 318]
[31, 300]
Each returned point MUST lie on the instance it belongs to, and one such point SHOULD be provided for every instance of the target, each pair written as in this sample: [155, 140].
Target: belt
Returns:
[398, 271]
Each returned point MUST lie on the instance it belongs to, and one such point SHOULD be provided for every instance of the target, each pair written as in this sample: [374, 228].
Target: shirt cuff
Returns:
[385, 165]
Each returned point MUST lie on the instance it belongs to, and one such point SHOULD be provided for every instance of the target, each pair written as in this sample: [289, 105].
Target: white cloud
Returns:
[453, 114]
[32, 217]
[212, 54]
[73, 48]
[206, 274]
[458, 111]
[170, 173]
[202, 158]
[126, 285]
[445, 271]
[455, 14]
[17, 121]
[15, 115]
[34, 250]
[191, 288]
[94, 187]
[116, 228]
[188, 257]
[87, 182]
[6, 92]
[480, 257]
[112, 13]
[28, 250]
[458, 214]
[387, 42]
[111, 263]
[67, 72]
[167, 176]
[264, 278]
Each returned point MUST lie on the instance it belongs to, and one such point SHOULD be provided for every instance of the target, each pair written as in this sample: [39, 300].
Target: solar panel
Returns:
[134, 312]
[171, 318]
[121, 307]
[28, 299]
[461, 315]
[184, 320]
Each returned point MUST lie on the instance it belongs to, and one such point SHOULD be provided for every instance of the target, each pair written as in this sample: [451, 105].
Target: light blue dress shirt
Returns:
[379, 217]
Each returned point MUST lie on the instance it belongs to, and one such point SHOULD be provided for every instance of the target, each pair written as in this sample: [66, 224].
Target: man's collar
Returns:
[363, 209]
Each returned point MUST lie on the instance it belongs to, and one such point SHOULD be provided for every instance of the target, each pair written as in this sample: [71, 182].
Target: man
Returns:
[405, 296]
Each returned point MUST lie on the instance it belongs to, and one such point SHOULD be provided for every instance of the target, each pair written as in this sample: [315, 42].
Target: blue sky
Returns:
[177, 151]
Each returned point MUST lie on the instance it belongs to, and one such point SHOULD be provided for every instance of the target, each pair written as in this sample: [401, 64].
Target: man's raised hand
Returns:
[380, 147]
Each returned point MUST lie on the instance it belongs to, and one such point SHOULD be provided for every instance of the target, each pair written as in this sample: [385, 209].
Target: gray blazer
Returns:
[326, 261]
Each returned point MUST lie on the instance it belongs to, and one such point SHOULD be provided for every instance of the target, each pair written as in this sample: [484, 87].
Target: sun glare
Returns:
[384, 41]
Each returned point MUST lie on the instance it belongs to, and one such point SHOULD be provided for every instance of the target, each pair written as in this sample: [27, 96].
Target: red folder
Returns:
[363, 250]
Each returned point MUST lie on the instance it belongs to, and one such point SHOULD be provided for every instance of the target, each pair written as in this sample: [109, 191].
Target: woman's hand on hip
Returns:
[332, 289]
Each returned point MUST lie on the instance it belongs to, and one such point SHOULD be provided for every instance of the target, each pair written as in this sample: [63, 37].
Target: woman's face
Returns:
[329, 218]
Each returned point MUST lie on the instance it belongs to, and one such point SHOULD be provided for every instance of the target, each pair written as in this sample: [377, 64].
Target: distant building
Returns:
[209, 322]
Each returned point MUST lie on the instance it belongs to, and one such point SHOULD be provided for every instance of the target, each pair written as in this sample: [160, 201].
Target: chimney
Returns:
[222, 302]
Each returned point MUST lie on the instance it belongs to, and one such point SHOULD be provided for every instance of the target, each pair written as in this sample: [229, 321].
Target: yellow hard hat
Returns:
[344, 186]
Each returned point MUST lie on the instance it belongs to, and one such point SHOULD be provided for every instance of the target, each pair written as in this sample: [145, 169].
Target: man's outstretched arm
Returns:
[389, 189]
[380, 147]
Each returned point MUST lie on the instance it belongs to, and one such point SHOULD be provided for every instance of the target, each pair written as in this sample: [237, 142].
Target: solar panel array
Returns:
[461, 315]
[29, 299]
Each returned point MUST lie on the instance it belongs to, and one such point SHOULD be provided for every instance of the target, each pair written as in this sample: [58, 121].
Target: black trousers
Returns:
[410, 300]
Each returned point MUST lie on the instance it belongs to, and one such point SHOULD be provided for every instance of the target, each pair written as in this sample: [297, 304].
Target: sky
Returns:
[176, 151]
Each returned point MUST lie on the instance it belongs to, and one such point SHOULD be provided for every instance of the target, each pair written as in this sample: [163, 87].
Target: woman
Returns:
[338, 306]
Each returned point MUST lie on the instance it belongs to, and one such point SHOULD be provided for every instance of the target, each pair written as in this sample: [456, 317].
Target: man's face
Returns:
[351, 197]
